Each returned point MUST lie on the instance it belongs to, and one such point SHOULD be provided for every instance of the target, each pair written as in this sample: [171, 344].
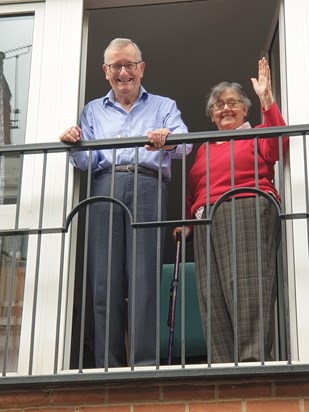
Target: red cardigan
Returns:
[220, 166]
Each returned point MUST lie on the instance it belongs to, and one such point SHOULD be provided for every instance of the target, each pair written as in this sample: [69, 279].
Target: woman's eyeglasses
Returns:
[231, 104]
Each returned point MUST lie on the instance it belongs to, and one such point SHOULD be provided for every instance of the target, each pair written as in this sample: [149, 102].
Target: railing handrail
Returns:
[193, 137]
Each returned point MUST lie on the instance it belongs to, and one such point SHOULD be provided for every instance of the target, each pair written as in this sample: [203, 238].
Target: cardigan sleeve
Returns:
[269, 147]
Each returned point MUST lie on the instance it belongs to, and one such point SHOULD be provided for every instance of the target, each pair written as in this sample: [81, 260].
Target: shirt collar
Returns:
[109, 99]
[245, 125]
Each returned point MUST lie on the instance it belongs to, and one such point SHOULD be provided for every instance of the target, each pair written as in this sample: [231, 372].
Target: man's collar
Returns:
[110, 97]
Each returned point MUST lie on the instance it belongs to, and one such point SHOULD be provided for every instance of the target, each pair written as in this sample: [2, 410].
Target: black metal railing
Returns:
[46, 208]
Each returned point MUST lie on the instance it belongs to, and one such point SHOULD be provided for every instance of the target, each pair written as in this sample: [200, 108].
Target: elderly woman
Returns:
[228, 107]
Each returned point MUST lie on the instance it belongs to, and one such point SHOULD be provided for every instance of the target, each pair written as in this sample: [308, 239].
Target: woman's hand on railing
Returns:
[188, 232]
[72, 134]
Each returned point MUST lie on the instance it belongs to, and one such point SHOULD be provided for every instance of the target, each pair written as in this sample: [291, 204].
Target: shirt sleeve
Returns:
[80, 159]
[175, 124]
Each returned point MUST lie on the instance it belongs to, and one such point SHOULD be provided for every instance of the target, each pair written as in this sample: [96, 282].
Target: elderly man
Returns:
[127, 110]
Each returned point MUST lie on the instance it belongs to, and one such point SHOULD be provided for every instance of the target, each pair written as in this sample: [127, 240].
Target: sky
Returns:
[16, 32]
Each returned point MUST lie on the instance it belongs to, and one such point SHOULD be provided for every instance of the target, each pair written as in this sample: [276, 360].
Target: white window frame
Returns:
[294, 67]
[52, 107]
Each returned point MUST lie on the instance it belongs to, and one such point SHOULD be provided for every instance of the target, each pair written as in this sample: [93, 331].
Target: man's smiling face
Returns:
[125, 83]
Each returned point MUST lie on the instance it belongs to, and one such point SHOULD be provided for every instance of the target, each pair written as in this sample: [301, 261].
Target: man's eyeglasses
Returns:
[130, 67]
[232, 104]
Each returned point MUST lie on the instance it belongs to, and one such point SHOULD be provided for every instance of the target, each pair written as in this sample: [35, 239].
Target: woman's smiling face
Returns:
[228, 118]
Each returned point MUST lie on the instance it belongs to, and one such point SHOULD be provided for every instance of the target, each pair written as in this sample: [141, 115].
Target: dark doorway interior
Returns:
[188, 48]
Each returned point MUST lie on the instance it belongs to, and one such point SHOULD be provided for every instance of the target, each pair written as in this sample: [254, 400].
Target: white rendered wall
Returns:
[296, 71]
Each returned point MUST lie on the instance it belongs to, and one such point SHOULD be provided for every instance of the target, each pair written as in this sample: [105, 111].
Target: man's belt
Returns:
[127, 168]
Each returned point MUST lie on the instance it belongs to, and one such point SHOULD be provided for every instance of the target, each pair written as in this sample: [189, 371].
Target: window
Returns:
[16, 34]
[15, 58]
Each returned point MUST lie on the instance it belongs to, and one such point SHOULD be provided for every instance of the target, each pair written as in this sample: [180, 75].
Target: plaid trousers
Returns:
[235, 255]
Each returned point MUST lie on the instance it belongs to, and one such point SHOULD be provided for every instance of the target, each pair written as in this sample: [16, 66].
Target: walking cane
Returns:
[172, 304]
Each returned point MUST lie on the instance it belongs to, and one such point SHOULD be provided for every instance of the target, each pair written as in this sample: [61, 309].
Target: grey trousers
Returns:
[236, 317]
[112, 315]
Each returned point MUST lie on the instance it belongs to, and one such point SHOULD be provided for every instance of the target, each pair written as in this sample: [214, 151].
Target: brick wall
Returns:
[278, 395]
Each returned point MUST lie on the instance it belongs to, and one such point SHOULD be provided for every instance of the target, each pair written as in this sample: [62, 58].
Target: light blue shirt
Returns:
[104, 118]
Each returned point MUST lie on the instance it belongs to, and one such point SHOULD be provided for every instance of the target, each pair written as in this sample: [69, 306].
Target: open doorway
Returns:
[188, 46]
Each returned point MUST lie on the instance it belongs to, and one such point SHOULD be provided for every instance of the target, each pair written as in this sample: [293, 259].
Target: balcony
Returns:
[44, 229]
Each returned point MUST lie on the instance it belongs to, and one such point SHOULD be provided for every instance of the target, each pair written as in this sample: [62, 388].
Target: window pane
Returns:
[12, 281]
[16, 34]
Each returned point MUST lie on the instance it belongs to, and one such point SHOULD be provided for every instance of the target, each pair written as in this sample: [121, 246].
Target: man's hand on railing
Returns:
[188, 232]
[158, 138]
[73, 135]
